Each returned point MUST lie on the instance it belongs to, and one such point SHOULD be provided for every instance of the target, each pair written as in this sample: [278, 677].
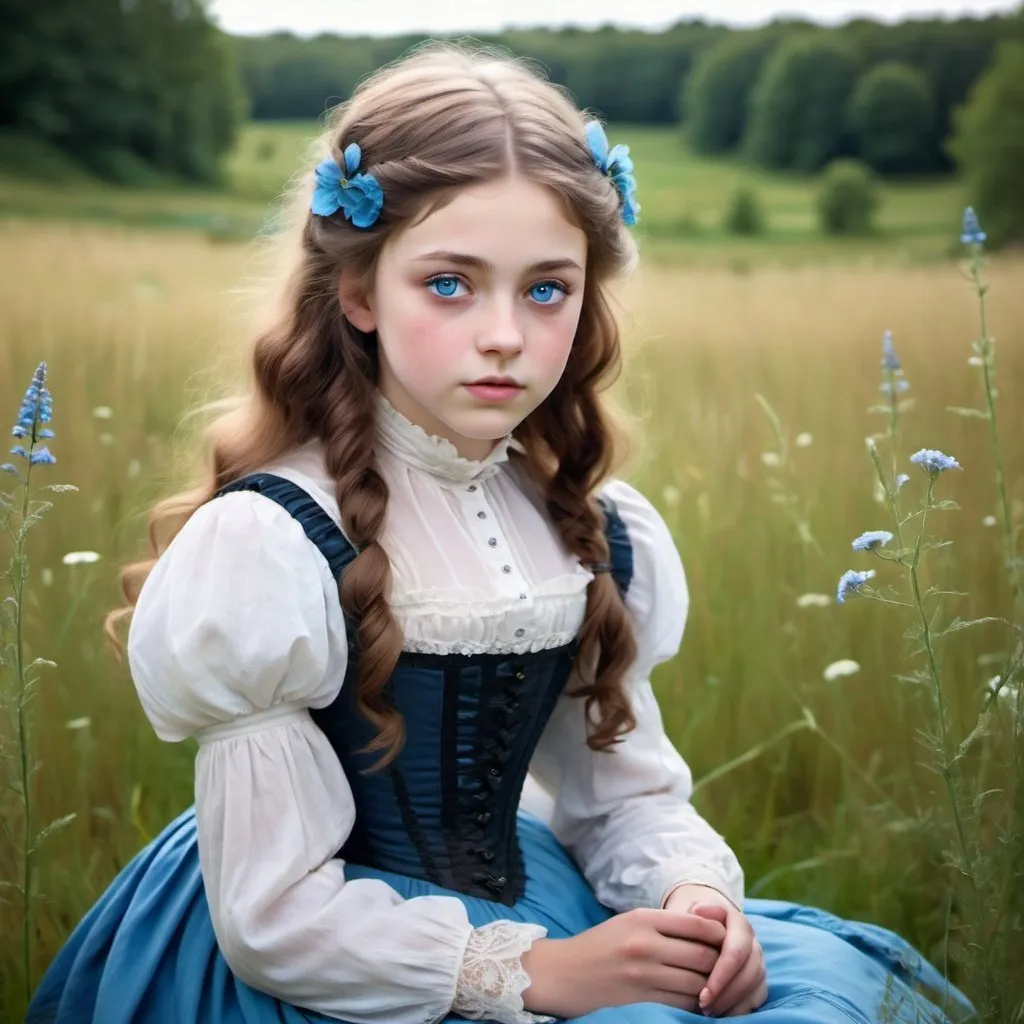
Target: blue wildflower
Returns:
[934, 462]
[42, 457]
[850, 582]
[36, 407]
[7, 467]
[358, 196]
[901, 480]
[618, 165]
[971, 231]
[901, 385]
[871, 540]
[890, 361]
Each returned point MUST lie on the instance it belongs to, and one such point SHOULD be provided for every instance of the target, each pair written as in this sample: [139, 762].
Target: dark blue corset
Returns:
[445, 809]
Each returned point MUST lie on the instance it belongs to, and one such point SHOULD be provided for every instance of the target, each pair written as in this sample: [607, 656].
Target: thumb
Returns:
[711, 911]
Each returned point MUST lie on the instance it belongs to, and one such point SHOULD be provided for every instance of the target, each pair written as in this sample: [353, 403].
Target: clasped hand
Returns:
[738, 982]
[698, 954]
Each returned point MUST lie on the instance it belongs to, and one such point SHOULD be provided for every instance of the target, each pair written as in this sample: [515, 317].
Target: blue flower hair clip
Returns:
[617, 165]
[358, 196]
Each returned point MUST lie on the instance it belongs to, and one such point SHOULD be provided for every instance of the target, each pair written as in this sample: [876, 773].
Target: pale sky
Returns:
[441, 17]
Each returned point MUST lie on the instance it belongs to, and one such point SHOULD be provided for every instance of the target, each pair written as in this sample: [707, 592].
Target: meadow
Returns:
[133, 296]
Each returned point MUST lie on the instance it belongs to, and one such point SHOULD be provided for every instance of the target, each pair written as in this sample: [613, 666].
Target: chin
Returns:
[485, 424]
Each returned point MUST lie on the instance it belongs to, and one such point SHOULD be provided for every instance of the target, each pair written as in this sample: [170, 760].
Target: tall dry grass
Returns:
[130, 322]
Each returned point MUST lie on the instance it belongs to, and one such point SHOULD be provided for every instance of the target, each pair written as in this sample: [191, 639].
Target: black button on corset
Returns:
[445, 809]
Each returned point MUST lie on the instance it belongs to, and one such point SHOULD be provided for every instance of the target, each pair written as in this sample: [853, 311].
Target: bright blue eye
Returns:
[545, 291]
[444, 286]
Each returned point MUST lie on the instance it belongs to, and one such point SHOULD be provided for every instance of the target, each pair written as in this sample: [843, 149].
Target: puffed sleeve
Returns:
[237, 633]
[626, 816]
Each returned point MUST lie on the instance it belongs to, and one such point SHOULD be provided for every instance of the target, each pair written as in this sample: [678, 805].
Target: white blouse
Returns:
[238, 631]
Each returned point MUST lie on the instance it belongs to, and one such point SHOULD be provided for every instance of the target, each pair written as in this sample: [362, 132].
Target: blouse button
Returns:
[506, 568]
[520, 631]
[492, 542]
[522, 597]
[471, 488]
[481, 515]
[495, 773]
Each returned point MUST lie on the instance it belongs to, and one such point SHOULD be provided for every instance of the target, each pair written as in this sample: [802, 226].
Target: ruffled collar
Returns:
[433, 454]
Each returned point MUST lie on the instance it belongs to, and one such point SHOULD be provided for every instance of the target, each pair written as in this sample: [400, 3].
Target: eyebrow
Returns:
[466, 260]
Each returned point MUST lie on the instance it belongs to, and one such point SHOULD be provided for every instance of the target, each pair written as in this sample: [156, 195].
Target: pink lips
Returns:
[495, 389]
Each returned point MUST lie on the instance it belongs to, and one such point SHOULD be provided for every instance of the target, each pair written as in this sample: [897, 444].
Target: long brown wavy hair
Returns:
[443, 117]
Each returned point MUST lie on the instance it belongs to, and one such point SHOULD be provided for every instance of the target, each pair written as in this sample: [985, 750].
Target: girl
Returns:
[407, 581]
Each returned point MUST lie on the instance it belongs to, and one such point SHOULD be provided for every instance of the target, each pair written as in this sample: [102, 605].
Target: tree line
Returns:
[123, 85]
[792, 95]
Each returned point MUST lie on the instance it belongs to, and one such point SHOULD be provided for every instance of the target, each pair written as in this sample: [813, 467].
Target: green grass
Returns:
[684, 200]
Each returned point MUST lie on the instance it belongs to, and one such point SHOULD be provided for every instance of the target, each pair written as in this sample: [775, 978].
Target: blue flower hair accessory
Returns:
[617, 165]
[358, 196]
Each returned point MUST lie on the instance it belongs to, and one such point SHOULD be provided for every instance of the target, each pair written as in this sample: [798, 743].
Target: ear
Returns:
[355, 305]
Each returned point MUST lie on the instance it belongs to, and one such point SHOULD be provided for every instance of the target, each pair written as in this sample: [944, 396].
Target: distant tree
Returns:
[891, 115]
[744, 215]
[988, 146]
[717, 92]
[797, 111]
[952, 55]
[847, 198]
[121, 84]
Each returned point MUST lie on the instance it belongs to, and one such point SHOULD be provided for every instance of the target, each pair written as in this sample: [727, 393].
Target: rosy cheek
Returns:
[421, 341]
[558, 339]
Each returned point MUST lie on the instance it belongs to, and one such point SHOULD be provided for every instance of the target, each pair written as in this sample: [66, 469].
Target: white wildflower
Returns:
[80, 558]
[838, 669]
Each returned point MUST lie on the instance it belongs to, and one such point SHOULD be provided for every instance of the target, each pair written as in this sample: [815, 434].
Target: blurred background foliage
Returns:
[132, 89]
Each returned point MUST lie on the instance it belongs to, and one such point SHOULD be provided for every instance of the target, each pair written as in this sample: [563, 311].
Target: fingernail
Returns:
[705, 998]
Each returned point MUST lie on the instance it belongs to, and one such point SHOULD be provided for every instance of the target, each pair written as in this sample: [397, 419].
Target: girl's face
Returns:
[489, 286]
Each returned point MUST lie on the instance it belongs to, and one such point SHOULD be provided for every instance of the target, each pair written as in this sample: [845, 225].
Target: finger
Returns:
[753, 1002]
[678, 924]
[674, 999]
[711, 911]
[685, 954]
[739, 939]
[743, 987]
[677, 980]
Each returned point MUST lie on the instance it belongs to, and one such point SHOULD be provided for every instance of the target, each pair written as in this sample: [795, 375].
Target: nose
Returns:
[500, 330]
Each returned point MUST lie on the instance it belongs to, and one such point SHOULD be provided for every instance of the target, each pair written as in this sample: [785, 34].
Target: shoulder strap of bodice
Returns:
[339, 552]
[620, 547]
[319, 527]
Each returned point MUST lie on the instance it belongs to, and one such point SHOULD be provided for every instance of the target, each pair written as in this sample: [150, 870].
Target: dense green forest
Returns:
[125, 84]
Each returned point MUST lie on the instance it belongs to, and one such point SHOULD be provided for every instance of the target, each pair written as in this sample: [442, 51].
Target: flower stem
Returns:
[985, 345]
[26, 795]
[947, 766]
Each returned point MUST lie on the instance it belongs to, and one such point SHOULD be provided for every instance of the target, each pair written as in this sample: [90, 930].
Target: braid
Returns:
[580, 441]
[362, 497]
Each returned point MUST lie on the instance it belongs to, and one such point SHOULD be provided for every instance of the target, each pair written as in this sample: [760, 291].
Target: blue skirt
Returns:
[146, 952]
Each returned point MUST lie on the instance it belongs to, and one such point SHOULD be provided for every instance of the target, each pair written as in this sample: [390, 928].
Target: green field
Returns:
[132, 315]
[684, 199]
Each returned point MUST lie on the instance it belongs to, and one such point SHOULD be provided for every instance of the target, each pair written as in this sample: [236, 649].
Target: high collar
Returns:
[432, 454]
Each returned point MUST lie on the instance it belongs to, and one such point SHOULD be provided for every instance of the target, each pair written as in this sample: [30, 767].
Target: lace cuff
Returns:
[492, 979]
